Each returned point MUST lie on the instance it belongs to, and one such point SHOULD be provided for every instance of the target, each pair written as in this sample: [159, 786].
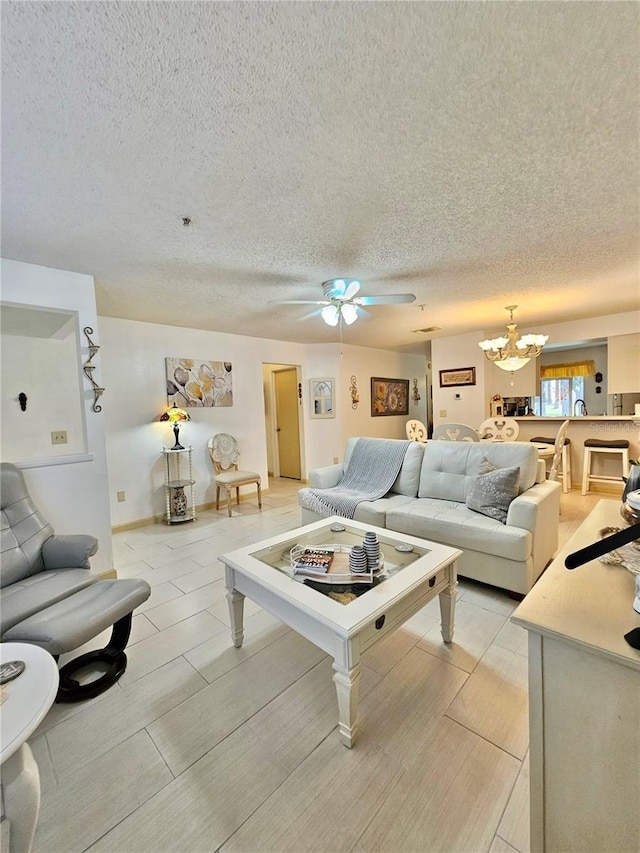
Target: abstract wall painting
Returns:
[389, 396]
[193, 382]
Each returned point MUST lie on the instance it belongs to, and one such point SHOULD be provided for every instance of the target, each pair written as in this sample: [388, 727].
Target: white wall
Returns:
[134, 373]
[73, 496]
[451, 354]
[47, 371]
[365, 364]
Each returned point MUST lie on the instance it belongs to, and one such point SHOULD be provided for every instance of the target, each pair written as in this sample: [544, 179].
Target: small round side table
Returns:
[27, 699]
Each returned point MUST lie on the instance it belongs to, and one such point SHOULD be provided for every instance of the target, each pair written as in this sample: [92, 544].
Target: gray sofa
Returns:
[428, 499]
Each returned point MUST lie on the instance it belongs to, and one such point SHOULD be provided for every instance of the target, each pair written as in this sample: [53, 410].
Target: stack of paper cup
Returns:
[372, 550]
[357, 560]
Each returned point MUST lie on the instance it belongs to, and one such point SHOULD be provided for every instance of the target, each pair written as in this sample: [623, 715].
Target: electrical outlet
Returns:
[335, 460]
[59, 437]
[458, 396]
[443, 413]
[121, 497]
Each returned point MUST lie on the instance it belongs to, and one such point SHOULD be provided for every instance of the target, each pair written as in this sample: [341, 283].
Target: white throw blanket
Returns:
[373, 467]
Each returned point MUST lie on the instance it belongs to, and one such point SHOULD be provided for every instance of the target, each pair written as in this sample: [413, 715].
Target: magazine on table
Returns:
[329, 564]
[314, 561]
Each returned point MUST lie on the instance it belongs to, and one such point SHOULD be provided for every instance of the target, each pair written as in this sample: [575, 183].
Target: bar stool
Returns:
[596, 445]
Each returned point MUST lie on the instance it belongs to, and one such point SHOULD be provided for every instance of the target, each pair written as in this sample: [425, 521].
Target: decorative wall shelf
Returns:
[88, 369]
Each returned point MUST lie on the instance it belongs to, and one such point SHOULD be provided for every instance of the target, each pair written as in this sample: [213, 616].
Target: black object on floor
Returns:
[633, 638]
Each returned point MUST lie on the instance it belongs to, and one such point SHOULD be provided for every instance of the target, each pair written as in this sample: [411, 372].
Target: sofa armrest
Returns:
[325, 478]
[537, 510]
[69, 552]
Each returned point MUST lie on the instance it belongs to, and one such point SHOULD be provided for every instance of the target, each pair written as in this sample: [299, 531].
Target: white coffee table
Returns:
[408, 581]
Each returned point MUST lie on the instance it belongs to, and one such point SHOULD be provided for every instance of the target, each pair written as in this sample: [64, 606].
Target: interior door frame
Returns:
[273, 369]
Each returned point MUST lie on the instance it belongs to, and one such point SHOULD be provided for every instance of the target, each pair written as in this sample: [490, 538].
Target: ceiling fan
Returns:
[341, 301]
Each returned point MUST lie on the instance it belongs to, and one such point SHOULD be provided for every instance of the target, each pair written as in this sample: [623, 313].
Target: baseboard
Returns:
[159, 519]
[108, 575]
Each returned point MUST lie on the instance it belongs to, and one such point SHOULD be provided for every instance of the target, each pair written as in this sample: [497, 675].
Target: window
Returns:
[558, 396]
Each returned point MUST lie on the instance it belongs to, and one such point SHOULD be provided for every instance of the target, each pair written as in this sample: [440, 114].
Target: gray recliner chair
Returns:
[50, 598]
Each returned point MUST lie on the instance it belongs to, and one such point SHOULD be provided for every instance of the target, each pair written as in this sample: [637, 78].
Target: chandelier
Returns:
[512, 353]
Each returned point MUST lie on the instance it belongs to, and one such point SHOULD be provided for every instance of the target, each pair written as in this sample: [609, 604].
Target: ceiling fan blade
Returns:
[352, 288]
[389, 299]
[298, 302]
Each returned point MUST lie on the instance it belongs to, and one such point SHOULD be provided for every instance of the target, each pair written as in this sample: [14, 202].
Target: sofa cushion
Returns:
[492, 490]
[375, 512]
[448, 467]
[454, 524]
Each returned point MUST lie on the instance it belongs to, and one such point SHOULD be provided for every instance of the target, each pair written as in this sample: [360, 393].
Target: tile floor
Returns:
[203, 747]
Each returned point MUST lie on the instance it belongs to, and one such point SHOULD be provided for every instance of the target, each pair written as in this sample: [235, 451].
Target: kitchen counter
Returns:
[536, 418]
[582, 427]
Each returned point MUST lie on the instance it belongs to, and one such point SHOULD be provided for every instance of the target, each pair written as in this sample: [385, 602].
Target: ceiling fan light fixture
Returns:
[330, 315]
[349, 313]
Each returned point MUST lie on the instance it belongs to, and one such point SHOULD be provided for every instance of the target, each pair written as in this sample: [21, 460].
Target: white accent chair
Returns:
[416, 431]
[455, 432]
[499, 429]
[224, 453]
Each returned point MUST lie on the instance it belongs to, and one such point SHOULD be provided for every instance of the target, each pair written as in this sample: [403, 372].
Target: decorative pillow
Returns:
[493, 490]
[486, 466]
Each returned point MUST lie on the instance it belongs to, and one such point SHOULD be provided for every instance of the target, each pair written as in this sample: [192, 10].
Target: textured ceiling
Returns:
[475, 154]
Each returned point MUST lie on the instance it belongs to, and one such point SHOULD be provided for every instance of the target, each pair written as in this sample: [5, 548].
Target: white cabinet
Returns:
[624, 364]
[584, 702]
[178, 486]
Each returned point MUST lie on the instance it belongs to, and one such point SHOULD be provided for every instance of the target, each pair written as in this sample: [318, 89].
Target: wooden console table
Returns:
[584, 702]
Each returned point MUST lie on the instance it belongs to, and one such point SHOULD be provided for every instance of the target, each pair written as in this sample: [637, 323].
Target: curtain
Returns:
[567, 370]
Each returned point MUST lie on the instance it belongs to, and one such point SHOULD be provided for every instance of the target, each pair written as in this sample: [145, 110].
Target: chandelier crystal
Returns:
[513, 352]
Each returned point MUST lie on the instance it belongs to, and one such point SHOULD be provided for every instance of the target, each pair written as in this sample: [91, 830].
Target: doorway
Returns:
[282, 418]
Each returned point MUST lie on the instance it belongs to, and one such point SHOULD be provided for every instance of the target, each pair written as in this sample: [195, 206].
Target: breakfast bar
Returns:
[584, 427]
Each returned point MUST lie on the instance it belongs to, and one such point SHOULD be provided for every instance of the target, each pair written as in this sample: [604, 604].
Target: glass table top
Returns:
[338, 582]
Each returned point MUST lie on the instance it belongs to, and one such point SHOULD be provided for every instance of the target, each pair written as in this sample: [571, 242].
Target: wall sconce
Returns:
[415, 393]
[353, 388]
[88, 369]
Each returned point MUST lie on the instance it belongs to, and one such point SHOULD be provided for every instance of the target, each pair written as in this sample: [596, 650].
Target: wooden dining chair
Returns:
[225, 453]
[416, 430]
[499, 429]
[559, 452]
[455, 432]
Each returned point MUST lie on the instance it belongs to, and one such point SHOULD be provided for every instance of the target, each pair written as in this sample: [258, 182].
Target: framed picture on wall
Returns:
[389, 396]
[457, 376]
[322, 398]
